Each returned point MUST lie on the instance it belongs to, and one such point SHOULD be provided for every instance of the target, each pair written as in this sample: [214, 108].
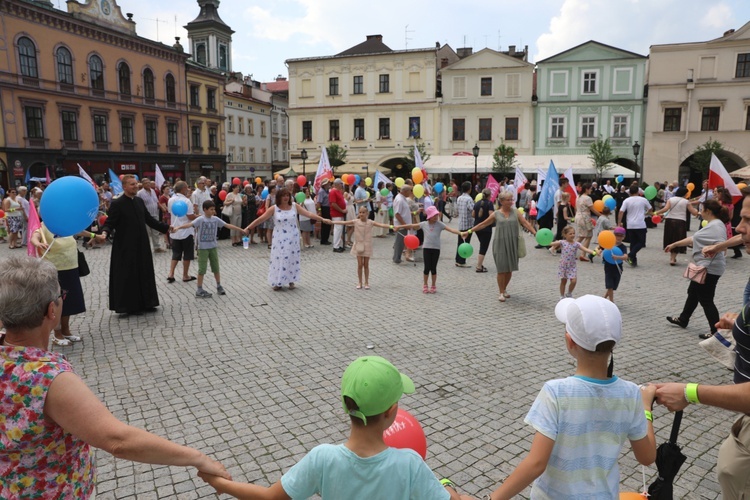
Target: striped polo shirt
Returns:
[742, 340]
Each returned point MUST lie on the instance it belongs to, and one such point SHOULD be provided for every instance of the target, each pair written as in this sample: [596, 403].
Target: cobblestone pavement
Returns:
[252, 378]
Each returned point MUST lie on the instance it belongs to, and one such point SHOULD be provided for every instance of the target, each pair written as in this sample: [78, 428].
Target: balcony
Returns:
[620, 141]
[585, 141]
[557, 141]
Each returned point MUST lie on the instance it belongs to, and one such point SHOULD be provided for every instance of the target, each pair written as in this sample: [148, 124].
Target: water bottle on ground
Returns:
[245, 242]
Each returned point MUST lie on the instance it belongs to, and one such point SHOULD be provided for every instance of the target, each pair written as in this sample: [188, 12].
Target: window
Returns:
[485, 86]
[333, 86]
[195, 100]
[100, 129]
[414, 124]
[264, 155]
[588, 127]
[151, 138]
[710, 118]
[672, 119]
[589, 82]
[359, 86]
[414, 79]
[69, 125]
[513, 85]
[622, 81]
[747, 119]
[306, 88]
[123, 74]
[307, 130]
[485, 129]
[211, 99]
[172, 134]
[251, 127]
[359, 129]
[195, 135]
[620, 126]
[384, 128]
[459, 129]
[743, 66]
[170, 89]
[34, 122]
[200, 54]
[333, 130]
[557, 127]
[96, 73]
[126, 127]
[384, 85]
[27, 57]
[251, 155]
[459, 87]
[511, 129]
[148, 84]
[231, 154]
[223, 59]
[230, 123]
[241, 156]
[263, 129]
[64, 66]
[558, 83]
[213, 138]
[240, 126]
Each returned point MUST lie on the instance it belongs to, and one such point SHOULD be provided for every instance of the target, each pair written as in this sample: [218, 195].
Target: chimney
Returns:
[378, 38]
[511, 50]
[280, 78]
[729, 32]
[464, 52]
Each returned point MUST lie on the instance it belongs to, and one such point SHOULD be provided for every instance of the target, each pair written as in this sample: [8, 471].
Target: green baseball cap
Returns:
[374, 384]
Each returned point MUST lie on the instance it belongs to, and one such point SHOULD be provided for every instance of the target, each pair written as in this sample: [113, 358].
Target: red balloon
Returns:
[2, 214]
[222, 195]
[245, 183]
[411, 241]
[121, 176]
[350, 179]
[405, 432]
[656, 219]
[301, 180]
[102, 220]
[236, 180]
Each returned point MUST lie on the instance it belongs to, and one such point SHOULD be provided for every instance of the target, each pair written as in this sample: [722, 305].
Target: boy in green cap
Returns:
[364, 466]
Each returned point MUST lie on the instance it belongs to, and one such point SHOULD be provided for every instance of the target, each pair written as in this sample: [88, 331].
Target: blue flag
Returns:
[114, 183]
[547, 196]
[27, 179]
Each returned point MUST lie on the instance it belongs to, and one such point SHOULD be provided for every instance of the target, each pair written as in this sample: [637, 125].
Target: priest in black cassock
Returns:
[132, 284]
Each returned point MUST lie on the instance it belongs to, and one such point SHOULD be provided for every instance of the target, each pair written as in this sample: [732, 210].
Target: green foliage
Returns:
[700, 160]
[409, 159]
[600, 154]
[504, 159]
[336, 155]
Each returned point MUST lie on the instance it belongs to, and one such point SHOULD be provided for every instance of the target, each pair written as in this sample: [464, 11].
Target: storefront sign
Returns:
[127, 168]
[207, 167]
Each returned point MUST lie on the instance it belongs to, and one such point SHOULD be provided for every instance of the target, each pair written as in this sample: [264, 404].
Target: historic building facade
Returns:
[248, 130]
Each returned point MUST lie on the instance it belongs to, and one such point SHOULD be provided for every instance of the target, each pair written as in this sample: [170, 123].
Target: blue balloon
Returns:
[611, 203]
[620, 178]
[180, 208]
[264, 193]
[136, 177]
[607, 255]
[68, 206]
[439, 187]
[356, 179]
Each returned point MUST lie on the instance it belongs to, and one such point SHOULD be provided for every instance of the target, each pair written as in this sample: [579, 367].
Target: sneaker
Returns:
[433, 289]
[220, 290]
[568, 295]
[73, 338]
[202, 294]
[61, 342]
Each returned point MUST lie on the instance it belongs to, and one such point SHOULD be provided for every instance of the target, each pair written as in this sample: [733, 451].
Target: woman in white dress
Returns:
[284, 268]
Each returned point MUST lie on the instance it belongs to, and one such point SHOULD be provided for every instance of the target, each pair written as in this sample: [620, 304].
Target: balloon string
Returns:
[643, 477]
[50, 246]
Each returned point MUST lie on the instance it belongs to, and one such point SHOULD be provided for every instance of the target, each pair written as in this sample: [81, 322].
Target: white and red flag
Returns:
[571, 190]
[718, 176]
[158, 178]
[86, 176]
[493, 186]
[324, 169]
[33, 225]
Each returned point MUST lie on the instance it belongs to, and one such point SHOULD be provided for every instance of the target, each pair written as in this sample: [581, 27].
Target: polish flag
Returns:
[86, 176]
[571, 190]
[493, 186]
[324, 169]
[718, 176]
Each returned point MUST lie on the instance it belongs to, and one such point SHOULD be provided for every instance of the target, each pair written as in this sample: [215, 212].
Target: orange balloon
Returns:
[417, 176]
[741, 185]
[258, 180]
[690, 186]
[598, 205]
[607, 240]
[689, 193]
[631, 495]
[343, 178]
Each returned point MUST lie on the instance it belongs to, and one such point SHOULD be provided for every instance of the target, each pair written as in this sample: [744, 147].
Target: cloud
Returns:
[718, 16]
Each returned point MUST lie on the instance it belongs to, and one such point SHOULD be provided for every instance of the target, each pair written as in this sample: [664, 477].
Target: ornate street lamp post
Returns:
[475, 152]
[303, 154]
[636, 151]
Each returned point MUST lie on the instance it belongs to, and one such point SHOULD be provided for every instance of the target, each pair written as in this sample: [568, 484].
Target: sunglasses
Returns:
[63, 294]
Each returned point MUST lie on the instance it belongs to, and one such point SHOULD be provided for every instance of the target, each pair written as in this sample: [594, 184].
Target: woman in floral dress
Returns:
[284, 268]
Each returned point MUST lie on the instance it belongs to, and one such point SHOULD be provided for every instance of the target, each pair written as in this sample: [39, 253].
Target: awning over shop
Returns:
[581, 164]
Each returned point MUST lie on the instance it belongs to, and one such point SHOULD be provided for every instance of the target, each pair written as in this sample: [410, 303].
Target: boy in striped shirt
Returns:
[583, 421]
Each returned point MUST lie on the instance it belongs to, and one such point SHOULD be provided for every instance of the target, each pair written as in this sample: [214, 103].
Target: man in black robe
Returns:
[132, 284]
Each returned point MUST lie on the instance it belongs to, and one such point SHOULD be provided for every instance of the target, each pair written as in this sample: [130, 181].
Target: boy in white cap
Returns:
[582, 421]
[363, 467]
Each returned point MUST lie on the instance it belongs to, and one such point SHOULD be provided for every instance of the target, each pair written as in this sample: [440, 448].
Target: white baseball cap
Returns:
[590, 320]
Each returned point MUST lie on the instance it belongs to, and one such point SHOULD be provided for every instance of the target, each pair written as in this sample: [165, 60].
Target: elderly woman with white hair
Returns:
[49, 431]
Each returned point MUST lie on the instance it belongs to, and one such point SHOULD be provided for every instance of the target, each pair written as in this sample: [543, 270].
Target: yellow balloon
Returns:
[606, 197]
[704, 223]
[520, 209]
[418, 190]
[479, 197]
[368, 182]
[399, 182]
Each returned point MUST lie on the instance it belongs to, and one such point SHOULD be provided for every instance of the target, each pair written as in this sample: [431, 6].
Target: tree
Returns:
[504, 159]
[336, 155]
[600, 154]
[409, 159]
[700, 160]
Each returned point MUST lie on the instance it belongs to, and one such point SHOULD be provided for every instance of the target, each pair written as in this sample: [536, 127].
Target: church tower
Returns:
[210, 38]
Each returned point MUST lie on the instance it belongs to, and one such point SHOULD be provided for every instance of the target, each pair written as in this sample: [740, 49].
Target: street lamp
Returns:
[475, 152]
[366, 168]
[636, 151]
[303, 154]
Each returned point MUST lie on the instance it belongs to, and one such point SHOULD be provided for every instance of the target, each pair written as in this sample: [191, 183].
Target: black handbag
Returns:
[83, 266]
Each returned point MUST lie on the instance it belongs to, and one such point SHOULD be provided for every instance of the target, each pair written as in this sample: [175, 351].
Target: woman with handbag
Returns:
[705, 273]
[63, 254]
[233, 212]
[675, 222]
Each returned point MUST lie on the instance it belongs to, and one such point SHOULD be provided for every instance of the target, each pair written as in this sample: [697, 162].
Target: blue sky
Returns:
[267, 33]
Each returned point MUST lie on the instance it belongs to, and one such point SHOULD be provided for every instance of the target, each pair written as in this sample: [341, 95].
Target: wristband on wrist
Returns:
[470, 231]
[691, 393]
[93, 236]
[649, 415]
[447, 482]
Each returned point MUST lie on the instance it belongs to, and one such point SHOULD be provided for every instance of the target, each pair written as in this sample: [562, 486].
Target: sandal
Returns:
[433, 289]
[359, 287]
[367, 287]
[61, 342]
[501, 298]
[425, 289]
[506, 295]
[277, 288]
[170, 279]
[190, 278]
[73, 338]
[291, 286]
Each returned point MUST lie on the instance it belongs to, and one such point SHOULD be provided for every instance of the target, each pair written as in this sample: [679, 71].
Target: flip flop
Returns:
[170, 280]
[191, 278]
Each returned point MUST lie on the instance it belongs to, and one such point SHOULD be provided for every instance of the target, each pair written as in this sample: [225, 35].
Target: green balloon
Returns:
[465, 250]
[384, 192]
[544, 237]
[650, 193]
[450, 189]
[300, 197]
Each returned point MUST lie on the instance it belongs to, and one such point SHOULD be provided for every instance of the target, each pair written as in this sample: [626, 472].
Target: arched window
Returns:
[64, 66]
[123, 73]
[27, 57]
[200, 54]
[96, 73]
[148, 84]
[170, 89]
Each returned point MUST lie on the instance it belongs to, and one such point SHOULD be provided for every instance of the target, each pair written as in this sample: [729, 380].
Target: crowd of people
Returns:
[570, 416]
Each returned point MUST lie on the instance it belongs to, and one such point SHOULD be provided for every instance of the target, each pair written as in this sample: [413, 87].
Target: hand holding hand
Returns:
[648, 394]
[100, 238]
[671, 395]
[209, 467]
